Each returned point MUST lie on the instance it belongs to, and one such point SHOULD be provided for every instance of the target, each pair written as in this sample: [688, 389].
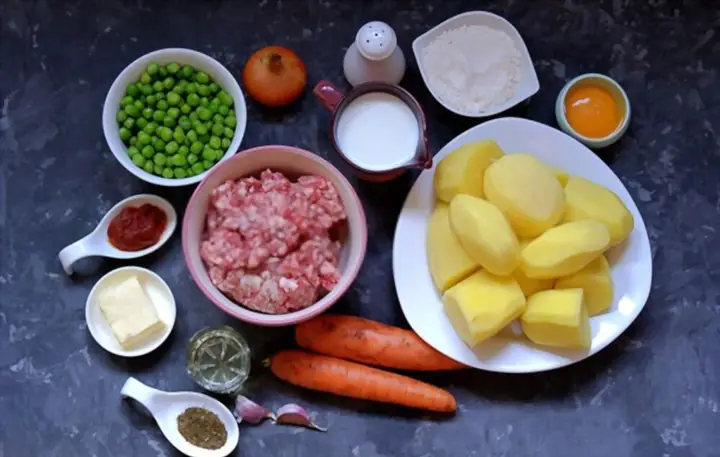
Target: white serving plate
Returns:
[526, 88]
[631, 263]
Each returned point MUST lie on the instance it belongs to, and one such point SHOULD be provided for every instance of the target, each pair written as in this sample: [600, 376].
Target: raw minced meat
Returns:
[267, 244]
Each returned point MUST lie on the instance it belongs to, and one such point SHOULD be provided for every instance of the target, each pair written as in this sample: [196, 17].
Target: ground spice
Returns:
[202, 428]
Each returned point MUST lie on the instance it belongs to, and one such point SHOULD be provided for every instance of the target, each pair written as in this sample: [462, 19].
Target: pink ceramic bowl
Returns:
[292, 161]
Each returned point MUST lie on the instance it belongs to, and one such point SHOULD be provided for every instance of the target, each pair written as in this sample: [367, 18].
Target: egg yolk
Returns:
[591, 111]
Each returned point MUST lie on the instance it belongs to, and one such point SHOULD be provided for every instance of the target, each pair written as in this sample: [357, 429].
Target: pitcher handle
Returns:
[328, 95]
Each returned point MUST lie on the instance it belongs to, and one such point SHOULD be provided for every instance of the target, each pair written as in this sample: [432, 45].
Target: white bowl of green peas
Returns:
[172, 115]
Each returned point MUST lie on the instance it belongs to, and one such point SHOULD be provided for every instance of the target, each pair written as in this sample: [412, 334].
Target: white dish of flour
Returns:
[476, 64]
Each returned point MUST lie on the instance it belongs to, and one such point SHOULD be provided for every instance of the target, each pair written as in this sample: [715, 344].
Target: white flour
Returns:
[473, 68]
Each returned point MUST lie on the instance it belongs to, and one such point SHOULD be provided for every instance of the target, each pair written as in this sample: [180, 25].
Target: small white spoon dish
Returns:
[165, 407]
[160, 295]
[97, 244]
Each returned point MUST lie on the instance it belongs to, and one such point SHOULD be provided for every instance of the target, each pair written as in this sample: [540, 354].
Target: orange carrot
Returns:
[349, 379]
[370, 342]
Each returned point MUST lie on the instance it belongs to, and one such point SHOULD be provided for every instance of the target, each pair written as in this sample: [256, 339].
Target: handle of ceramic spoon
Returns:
[74, 252]
[145, 395]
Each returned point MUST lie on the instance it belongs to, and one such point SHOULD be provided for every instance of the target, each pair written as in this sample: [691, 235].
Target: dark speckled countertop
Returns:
[655, 392]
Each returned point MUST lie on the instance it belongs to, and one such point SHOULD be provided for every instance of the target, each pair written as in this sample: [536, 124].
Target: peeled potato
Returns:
[596, 283]
[527, 192]
[557, 318]
[461, 171]
[447, 260]
[530, 286]
[485, 234]
[482, 305]
[565, 249]
[588, 200]
[561, 175]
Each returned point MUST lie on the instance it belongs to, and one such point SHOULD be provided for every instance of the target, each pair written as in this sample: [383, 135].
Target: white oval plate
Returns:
[160, 295]
[631, 263]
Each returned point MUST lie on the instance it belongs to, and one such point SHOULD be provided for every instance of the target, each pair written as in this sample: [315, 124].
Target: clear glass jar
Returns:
[218, 359]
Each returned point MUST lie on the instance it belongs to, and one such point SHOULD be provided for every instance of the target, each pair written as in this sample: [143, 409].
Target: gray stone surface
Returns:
[655, 392]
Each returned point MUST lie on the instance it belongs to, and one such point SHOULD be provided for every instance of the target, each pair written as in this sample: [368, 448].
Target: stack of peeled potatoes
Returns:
[344, 346]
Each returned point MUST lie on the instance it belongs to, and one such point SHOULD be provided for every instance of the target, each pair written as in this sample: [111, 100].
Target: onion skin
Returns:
[274, 76]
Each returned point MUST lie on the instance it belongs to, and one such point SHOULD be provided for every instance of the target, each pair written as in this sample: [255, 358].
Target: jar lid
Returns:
[218, 359]
[376, 40]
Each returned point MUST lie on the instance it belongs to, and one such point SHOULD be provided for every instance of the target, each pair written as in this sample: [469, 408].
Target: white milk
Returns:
[378, 132]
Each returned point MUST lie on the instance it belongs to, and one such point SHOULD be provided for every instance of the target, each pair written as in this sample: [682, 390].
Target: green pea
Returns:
[187, 71]
[162, 105]
[133, 141]
[224, 98]
[191, 88]
[213, 87]
[145, 78]
[191, 136]
[225, 143]
[207, 164]
[224, 110]
[158, 144]
[197, 167]
[132, 111]
[217, 129]
[219, 154]
[139, 105]
[173, 99]
[179, 160]
[214, 142]
[169, 122]
[147, 113]
[173, 113]
[143, 138]
[169, 82]
[196, 147]
[185, 123]
[172, 68]
[171, 148]
[202, 77]
[180, 173]
[150, 100]
[160, 96]
[228, 132]
[208, 125]
[208, 154]
[158, 86]
[148, 151]
[193, 99]
[125, 134]
[162, 71]
[230, 121]
[168, 173]
[166, 134]
[204, 101]
[213, 107]
[179, 135]
[133, 90]
[126, 101]
[203, 90]
[204, 138]
[179, 88]
[129, 123]
[183, 150]
[157, 169]
[204, 114]
[192, 158]
[150, 128]
[186, 109]
[132, 150]
[152, 69]
[121, 116]
[159, 115]
[141, 122]
[193, 117]
[138, 160]
[160, 158]
[200, 128]
[149, 166]
[218, 118]
[146, 89]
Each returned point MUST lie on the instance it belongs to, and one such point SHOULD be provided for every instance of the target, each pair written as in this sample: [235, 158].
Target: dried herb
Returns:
[202, 428]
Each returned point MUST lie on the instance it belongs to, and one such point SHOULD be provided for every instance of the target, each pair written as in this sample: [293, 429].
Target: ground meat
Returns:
[266, 242]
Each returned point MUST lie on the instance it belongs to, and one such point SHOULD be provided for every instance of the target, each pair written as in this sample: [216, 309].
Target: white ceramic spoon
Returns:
[97, 244]
[165, 407]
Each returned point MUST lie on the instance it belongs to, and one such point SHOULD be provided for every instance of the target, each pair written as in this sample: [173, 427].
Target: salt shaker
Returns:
[374, 56]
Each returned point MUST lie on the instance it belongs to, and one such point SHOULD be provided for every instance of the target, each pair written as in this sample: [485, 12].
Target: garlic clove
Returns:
[249, 411]
[293, 414]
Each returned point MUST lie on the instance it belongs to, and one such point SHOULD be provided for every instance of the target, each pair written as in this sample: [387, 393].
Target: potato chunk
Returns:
[462, 171]
[557, 318]
[447, 260]
[530, 286]
[596, 283]
[483, 304]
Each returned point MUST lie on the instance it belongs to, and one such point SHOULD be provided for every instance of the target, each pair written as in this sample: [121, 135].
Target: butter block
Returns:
[130, 313]
[481, 305]
[557, 318]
